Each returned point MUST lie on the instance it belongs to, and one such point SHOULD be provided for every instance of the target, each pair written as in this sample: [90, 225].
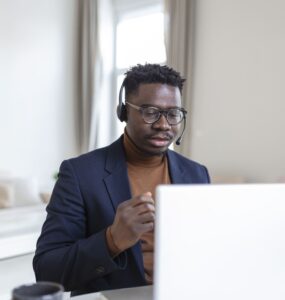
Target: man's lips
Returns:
[160, 140]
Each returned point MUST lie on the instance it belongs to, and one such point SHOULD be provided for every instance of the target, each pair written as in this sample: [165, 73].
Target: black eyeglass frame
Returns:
[164, 112]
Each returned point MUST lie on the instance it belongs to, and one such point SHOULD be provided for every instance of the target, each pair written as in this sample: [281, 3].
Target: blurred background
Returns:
[61, 66]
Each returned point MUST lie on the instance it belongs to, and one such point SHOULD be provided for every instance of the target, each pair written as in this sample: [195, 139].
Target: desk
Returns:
[137, 293]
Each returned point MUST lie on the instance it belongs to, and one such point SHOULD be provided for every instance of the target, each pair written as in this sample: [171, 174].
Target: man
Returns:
[98, 234]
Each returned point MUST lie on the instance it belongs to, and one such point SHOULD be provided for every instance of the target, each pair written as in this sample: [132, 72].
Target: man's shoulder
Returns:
[190, 170]
[98, 155]
[183, 159]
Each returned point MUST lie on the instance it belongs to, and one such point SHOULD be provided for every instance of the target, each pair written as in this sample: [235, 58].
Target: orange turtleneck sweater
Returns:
[145, 174]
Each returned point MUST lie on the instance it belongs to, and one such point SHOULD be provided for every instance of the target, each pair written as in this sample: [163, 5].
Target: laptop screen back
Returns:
[221, 242]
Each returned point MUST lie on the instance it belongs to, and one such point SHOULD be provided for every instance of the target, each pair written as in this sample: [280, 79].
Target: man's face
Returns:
[153, 139]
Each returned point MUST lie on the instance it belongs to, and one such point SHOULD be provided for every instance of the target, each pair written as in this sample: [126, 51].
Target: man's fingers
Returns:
[133, 218]
[146, 218]
[143, 208]
[137, 200]
[144, 198]
[146, 227]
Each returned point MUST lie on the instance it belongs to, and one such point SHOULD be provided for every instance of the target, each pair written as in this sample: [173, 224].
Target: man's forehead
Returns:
[156, 94]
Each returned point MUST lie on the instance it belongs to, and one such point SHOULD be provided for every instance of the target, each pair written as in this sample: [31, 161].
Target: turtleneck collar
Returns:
[137, 157]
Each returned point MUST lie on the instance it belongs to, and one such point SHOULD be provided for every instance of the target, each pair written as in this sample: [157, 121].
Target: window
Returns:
[139, 38]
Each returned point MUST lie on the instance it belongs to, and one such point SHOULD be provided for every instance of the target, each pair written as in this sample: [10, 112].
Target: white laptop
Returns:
[220, 242]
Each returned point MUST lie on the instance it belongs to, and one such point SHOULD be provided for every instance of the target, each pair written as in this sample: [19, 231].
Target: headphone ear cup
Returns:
[121, 108]
[122, 112]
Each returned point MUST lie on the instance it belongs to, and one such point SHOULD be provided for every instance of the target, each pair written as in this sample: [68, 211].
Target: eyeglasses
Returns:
[152, 114]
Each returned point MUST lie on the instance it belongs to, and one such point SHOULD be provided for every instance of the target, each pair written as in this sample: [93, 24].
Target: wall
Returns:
[237, 120]
[38, 86]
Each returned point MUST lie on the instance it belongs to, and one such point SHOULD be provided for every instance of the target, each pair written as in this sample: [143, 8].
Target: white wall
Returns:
[238, 110]
[38, 86]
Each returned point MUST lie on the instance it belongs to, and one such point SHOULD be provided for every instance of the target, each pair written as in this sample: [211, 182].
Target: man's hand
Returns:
[133, 218]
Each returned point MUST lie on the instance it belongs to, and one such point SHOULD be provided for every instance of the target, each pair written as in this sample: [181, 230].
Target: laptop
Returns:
[220, 242]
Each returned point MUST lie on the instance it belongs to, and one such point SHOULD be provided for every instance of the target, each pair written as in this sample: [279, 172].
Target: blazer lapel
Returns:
[118, 187]
[116, 182]
[177, 171]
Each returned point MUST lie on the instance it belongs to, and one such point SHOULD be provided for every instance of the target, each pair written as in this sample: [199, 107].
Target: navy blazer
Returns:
[72, 249]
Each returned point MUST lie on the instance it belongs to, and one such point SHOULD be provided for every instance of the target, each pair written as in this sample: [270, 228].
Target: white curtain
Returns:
[178, 39]
[96, 63]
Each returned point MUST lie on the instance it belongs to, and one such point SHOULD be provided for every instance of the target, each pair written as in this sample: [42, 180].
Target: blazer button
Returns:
[100, 270]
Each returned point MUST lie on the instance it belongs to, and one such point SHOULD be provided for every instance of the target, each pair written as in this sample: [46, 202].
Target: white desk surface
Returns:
[137, 293]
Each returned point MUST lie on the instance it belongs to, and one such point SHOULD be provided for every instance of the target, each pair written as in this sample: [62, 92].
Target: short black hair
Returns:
[151, 73]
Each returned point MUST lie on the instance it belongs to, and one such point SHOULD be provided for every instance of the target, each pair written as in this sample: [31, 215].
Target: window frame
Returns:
[124, 9]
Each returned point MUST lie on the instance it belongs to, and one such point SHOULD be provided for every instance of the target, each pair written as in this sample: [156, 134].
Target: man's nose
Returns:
[162, 123]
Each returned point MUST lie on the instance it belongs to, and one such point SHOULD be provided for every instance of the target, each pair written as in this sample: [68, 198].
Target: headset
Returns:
[121, 108]
[179, 140]
[122, 113]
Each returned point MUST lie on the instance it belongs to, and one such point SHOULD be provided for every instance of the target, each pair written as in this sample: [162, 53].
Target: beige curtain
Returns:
[96, 61]
[178, 40]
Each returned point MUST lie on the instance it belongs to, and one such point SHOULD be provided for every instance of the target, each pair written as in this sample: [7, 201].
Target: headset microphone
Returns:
[178, 141]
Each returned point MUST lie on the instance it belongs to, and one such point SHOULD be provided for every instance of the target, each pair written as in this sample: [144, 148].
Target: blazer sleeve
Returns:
[64, 253]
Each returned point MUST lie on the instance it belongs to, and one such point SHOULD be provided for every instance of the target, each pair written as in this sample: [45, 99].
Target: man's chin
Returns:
[155, 151]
